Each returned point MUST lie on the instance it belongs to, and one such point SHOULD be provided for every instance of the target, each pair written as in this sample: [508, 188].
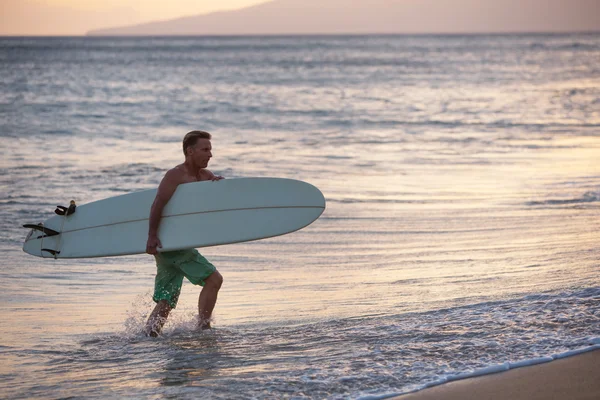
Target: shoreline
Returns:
[573, 375]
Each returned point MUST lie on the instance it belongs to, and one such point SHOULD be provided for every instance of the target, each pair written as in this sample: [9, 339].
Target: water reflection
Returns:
[194, 358]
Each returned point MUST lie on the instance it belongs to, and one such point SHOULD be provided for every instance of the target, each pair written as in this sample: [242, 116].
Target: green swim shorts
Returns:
[172, 266]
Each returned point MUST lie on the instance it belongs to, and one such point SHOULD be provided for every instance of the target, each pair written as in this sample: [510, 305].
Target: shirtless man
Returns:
[172, 266]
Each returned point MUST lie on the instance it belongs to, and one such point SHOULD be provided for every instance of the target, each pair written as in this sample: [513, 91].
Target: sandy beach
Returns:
[572, 378]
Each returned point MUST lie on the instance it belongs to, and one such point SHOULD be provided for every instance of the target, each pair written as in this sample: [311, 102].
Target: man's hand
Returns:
[152, 245]
[217, 178]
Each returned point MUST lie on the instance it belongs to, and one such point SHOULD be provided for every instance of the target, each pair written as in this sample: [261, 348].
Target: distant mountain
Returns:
[382, 16]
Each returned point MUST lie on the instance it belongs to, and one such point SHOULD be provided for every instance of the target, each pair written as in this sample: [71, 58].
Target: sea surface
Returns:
[462, 179]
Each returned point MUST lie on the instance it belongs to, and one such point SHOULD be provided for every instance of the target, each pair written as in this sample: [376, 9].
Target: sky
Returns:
[76, 17]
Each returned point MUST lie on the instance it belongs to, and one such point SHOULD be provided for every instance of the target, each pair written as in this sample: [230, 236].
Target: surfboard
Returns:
[199, 214]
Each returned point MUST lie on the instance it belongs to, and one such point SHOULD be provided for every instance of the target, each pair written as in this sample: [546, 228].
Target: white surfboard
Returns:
[199, 214]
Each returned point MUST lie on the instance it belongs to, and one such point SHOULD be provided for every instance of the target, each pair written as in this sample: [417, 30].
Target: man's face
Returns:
[201, 152]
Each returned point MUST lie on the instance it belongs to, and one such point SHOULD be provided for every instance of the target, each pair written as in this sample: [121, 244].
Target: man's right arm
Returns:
[165, 191]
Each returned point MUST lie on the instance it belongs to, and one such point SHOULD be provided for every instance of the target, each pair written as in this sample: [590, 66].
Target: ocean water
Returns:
[462, 180]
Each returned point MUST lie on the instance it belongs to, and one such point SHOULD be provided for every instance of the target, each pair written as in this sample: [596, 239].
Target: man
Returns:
[174, 265]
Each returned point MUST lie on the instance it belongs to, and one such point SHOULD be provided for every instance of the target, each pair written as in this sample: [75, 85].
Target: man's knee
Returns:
[215, 280]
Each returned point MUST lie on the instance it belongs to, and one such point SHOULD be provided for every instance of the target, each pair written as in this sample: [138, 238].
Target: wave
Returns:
[588, 197]
[365, 122]
[565, 46]
[377, 201]
[177, 45]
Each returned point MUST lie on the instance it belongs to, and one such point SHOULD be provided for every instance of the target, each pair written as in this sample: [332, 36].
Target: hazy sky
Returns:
[76, 17]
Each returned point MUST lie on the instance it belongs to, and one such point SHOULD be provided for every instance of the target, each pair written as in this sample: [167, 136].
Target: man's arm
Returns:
[165, 191]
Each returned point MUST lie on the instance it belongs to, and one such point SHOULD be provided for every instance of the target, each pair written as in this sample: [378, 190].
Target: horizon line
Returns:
[140, 36]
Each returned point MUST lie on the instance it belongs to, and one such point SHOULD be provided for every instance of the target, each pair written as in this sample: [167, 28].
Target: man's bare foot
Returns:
[151, 333]
[204, 325]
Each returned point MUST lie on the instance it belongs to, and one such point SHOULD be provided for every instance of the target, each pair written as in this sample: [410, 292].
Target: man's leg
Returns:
[157, 318]
[208, 299]
[167, 287]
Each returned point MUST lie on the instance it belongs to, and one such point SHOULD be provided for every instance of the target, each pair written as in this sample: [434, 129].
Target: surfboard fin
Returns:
[53, 252]
[62, 210]
[46, 231]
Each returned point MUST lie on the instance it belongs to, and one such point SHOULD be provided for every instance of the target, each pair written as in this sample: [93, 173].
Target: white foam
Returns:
[492, 369]
[577, 351]
[437, 382]
[530, 362]
[381, 397]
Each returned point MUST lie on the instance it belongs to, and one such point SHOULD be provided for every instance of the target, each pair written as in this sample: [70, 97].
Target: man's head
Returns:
[196, 144]
[191, 138]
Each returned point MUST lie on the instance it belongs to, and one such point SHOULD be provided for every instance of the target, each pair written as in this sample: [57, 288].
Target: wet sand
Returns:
[571, 378]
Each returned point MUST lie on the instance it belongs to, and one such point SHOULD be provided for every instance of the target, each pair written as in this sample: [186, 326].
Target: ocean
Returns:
[462, 180]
